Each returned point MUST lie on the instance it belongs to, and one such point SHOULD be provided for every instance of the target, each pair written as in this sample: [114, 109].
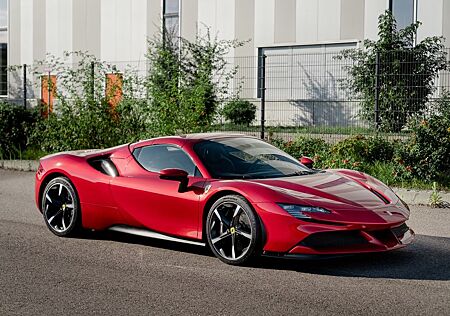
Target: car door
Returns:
[155, 203]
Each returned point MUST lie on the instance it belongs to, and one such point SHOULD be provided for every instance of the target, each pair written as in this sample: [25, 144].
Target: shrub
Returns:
[16, 123]
[407, 72]
[82, 116]
[186, 82]
[76, 126]
[315, 148]
[427, 152]
[240, 112]
[394, 163]
[364, 149]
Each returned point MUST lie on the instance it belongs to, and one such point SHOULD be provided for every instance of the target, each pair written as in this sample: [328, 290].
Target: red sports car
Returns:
[240, 195]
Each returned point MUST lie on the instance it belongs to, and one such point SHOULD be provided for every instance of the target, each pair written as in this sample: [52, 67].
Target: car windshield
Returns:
[247, 158]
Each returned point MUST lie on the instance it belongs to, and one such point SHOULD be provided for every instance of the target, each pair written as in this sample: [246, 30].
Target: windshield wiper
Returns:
[297, 173]
[249, 176]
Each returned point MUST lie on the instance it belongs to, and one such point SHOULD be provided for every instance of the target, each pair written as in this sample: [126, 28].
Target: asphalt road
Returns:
[112, 273]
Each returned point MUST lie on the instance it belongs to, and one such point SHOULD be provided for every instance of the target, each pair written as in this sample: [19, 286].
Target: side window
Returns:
[157, 157]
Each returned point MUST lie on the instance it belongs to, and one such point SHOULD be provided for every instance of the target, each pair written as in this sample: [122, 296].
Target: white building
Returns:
[288, 30]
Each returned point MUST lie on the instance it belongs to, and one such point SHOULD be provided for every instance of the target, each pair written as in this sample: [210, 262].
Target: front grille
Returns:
[390, 237]
[385, 236]
[326, 240]
[399, 231]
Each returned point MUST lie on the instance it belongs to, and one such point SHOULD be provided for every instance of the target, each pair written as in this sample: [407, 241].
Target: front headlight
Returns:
[301, 211]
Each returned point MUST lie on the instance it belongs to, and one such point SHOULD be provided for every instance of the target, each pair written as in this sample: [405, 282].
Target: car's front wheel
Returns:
[233, 230]
[60, 207]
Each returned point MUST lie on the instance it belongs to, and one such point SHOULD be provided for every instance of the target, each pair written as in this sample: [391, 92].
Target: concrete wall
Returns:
[123, 32]
[59, 26]
[372, 10]
[189, 18]
[117, 31]
[430, 13]
[87, 26]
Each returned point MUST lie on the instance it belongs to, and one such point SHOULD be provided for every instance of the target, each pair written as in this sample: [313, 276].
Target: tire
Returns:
[60, 207]
[233, 230]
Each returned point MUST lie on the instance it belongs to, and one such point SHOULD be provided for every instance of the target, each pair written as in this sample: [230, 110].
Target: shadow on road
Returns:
[145, 241]
[428, 258]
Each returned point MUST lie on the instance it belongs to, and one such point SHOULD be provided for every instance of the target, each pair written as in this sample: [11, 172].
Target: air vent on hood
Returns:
[380, 196]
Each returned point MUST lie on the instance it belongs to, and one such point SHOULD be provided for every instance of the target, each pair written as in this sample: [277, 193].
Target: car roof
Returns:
[183, 139]
[208, 136]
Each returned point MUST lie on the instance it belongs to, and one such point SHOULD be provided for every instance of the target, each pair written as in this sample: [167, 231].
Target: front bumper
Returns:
[355, 241]
[286, 235]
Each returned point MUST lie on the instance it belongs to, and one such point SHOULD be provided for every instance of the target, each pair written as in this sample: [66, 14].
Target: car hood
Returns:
[339, 188]
[351, 196]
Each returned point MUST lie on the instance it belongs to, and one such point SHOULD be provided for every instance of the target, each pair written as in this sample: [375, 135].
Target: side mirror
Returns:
[174, 174]
[308, 162]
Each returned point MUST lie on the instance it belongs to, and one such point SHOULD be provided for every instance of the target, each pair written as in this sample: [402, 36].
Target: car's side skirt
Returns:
[152, 234]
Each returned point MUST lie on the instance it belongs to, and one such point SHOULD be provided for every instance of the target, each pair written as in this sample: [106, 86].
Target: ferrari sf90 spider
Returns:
[239, 195]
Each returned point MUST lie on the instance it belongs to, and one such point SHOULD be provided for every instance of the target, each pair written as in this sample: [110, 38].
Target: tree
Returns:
[186, 82]
[406, 73]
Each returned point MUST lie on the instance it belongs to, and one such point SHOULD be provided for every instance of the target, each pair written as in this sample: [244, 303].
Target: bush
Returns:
[82, 117]
[427, 152]
[315, 148]
[16, 123]
[179, 94]
[187, 82]
[407, 72]
[372, 155]
[364, 149]
[80, 126]
[240, 112]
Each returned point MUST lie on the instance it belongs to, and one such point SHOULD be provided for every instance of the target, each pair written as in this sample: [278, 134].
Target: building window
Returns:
[403, 11]
[171, 18]
[3, 47]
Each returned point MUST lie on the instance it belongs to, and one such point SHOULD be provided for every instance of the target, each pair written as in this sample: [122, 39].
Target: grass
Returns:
[385, 172]
[27, 154]
[342, 130]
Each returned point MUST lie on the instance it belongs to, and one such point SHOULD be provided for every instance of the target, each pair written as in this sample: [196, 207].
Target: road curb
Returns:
[21, 165]
[410, 196]
[419, 196]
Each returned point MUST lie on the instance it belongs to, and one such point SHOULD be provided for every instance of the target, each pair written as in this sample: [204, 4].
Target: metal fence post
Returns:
[24, 86]
[377, 90]
[49, 91]
[93, 80]
[263, 92]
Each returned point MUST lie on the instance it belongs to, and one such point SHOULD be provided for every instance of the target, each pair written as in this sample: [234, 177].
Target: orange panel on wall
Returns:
[48, 92]
[113, 89]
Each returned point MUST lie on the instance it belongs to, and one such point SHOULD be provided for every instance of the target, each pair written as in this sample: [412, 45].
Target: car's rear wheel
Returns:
[233, 230]
[60, 207]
